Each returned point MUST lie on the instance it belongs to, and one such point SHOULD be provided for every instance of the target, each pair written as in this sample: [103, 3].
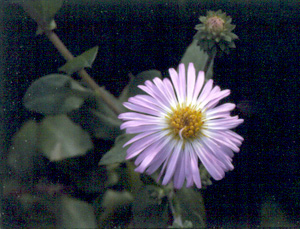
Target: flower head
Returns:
[215, 31]
[178, 124]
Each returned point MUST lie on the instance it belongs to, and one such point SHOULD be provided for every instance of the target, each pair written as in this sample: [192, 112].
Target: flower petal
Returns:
[160, 99]
[205, 92]
[210, 162]
[223, 123]
[194, 169]
[175, 81]
[213, 102]
[218, 111]
[191, 78]
[180, 174]
[166, 89]
[169, 88]
[172, 163]
[160, 158]
[198, 86]
[146, 157]
[182, 83]
[139, 145]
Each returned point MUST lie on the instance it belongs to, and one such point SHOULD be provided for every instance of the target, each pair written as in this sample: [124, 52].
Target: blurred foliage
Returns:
[76, 214]
[44, 8]
[22, 156]
[150, 209]
[117, 153]
[191, 203]
[59, 138]
[55, 94]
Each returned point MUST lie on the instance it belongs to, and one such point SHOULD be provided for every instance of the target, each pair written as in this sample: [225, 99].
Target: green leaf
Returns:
[101, 122]
[233, 36]
[41, 209]
[22, 156]
[202, 19]
[86, 59]
[231, 45]
[55, 94]
[117, 153]
[150, 209]
[192, 207]
[76, 214]
[59, 138]
[227, 38]
[103, 126]
[132, 88]
[45, 9]
[113, 206]
[98, 118]
[194, 54]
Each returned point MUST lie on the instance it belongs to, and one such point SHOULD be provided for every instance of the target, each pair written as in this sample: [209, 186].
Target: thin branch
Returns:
[63, 50]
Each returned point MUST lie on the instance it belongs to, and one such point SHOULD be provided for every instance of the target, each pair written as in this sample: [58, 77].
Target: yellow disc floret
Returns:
[186, 122]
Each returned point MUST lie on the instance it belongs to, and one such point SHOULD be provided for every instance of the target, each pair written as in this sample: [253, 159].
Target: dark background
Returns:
[262, 73]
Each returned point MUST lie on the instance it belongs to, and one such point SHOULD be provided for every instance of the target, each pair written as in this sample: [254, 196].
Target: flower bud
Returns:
[215, 32]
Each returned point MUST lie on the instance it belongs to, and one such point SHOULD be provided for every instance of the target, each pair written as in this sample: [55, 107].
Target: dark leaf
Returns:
[231, 45]
[45, 9]
[98, 123]
[55, 94]
[117, 153]
[104, 126]
[132, 88]
[86, 59]
[150, 210]
[39, 211]
[76, 214]
[22, 156]
[113, 208]
[192, 207]
[59, 138]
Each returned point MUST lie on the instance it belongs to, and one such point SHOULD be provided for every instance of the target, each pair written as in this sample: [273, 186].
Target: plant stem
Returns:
[211, 56]
[175, 208]
[63, 50]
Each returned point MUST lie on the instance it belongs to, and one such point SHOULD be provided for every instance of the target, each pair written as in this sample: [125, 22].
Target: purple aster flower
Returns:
[178, 124]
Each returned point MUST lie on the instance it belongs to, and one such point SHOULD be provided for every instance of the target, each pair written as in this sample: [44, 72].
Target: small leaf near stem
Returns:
[86, 59]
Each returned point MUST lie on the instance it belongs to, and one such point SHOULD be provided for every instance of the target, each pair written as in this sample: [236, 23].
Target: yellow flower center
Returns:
[186, 122]
[215, 24]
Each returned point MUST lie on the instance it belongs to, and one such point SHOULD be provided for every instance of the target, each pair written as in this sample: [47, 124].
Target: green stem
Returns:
[175, 207]
[63, 50]
[211, 56]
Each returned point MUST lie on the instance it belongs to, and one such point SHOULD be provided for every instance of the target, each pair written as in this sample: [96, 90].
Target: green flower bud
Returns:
[215, 32]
